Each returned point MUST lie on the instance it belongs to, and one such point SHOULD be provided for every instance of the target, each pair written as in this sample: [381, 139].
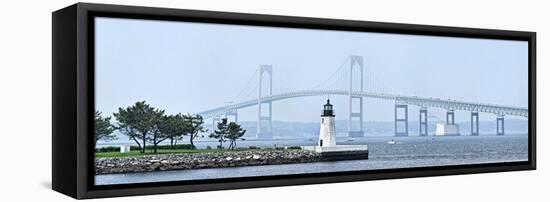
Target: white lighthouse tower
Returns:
[327, 134]
[327, 141]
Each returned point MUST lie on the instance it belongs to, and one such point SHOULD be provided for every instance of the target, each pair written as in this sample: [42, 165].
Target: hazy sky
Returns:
[192, 67]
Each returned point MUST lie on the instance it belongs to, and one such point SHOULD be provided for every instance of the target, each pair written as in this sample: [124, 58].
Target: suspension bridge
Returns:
[354, 77]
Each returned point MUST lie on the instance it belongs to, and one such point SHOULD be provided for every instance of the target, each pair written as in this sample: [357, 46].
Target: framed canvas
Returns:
[157, 100]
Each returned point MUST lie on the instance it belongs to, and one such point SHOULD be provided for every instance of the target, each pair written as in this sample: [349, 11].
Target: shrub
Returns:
[253, 147]
[208, 147]
[179, 146]
[149, 147]
[108, 149]
[294, 147]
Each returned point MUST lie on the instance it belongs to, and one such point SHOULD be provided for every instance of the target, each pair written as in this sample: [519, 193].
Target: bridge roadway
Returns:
[409, 100]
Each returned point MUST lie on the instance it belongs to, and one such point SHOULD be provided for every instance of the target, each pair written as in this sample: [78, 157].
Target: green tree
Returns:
[194, 126]
[173, 127]
[156, 136]
[220, 133]
[137, 121]
[234, 132]
[103, 128]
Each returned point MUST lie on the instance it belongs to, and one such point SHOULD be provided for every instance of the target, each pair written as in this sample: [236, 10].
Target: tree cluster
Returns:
[145, 124]
[228, 131]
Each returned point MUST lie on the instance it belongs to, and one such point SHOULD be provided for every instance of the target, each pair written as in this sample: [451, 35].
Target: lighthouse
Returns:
[327, 147]
[327, 133]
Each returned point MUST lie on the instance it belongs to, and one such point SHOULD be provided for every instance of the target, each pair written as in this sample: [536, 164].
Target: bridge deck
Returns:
[410, 100]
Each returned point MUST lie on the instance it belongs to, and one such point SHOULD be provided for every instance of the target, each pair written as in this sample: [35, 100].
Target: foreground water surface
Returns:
[406, 153]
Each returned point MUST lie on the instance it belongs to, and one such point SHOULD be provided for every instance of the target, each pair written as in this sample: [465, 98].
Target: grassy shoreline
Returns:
[147, 153]
[185, 150]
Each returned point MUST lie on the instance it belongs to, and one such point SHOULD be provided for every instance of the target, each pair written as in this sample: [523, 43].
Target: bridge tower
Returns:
[500, 124]
[264, 120]
[474, 123]
[354, 116]
[401, 118]
[450, 117]
[423, 122]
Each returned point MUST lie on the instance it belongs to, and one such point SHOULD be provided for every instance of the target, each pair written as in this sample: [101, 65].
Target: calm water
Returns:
[407, 152]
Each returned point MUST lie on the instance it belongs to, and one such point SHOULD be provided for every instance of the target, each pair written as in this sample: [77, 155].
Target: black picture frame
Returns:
[73, 100]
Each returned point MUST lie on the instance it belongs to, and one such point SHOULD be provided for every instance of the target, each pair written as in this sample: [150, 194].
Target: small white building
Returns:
[443, 129]
[327, 134]
[124, 148]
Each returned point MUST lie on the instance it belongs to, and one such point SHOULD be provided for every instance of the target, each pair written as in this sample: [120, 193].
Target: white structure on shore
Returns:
[327, 134]
[443, 129]
[326, 145]
[124, 148]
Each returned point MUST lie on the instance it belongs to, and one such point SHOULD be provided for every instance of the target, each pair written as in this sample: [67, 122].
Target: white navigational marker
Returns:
[326, 145]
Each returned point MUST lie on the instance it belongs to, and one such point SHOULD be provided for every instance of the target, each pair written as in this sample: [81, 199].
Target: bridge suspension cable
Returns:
[251, 93]
[338, 74]
[245, 87]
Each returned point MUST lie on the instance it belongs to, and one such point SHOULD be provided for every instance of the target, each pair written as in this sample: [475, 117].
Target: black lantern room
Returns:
[327, 109]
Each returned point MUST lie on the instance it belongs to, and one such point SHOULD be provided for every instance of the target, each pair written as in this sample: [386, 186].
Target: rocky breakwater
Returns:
[202, 160]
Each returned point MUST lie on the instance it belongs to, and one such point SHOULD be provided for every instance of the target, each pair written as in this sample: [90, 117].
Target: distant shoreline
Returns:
[375, 137]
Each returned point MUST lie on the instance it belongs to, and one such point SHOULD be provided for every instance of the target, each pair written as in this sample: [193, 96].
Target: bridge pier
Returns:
[423, 122]
[234, 114]
[450, 117]
[215, 121]
[265, 120]
[500, 125]
[231, 112]
[401, 119]
[474, 123]
[355, 116]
